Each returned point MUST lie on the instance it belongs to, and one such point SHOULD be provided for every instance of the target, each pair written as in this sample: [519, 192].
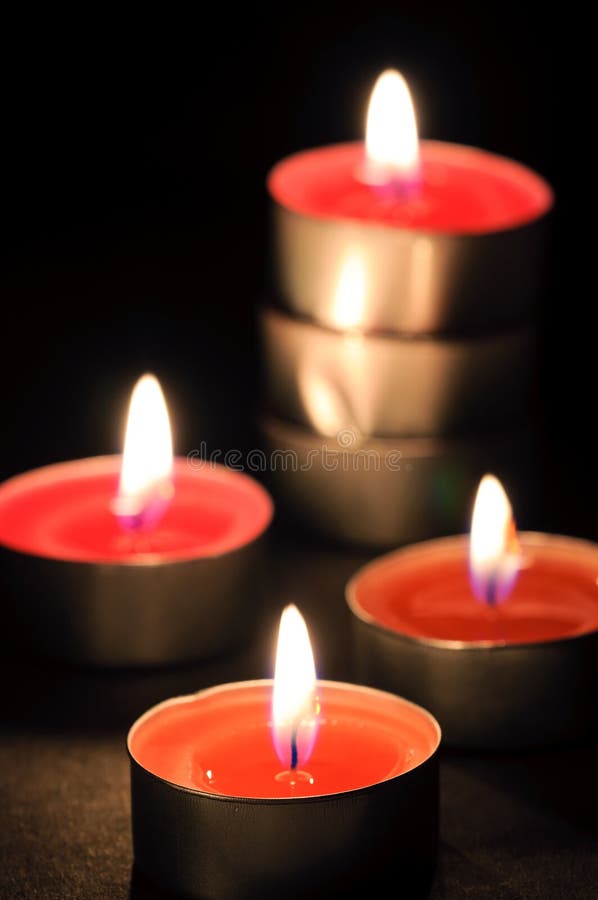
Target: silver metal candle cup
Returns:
[143, 613]
[391, 384]
[212, 847]
[503, 697]
[381, 493]
[415, 281]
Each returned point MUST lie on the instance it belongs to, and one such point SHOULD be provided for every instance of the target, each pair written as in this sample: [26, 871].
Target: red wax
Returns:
[464, 190]
[424, 592]
[220, 741]
[64, 512]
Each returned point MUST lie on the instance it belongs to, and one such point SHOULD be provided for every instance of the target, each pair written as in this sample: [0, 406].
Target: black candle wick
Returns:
[492, 589]
[294, 753]
[136, 522]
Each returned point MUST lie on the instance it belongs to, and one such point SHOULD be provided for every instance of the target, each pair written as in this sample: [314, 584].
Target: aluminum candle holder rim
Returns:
[419, 446]
[280, 801]
[456, 337]
[444, 643]
[141, 560]
[433, 234]
[321, 377]
[156, 561]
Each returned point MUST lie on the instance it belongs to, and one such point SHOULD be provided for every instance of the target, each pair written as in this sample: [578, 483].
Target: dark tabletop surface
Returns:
[513, 825]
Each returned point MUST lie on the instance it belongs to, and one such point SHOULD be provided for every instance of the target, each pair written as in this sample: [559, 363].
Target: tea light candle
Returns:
[135, 560]
[379, 493]
[284, 787]
[496, 634]
[393, 385]
[430, 227]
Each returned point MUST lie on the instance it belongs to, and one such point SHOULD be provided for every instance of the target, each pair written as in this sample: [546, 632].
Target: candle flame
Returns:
[494, 555]
[295, 704]
[145, 487]
[391, 141]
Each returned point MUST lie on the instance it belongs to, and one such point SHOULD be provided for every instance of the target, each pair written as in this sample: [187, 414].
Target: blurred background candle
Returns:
[286, 787]
[449, 237]
[405, 282]
[496, 633]
[143, 559]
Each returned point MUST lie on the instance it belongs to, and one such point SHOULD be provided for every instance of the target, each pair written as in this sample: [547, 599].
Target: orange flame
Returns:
[295, 703]
[145, 488]
[494, 555]
[391, 141]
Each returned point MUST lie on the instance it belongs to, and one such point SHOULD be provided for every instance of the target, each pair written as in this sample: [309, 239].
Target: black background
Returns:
[134, 237]
[135, 217]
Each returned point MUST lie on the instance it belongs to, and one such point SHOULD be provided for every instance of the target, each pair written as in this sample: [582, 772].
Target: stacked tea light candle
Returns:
[399, 351]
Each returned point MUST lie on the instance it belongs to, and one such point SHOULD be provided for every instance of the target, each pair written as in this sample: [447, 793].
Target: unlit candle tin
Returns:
[385, 492]
[395, 385]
